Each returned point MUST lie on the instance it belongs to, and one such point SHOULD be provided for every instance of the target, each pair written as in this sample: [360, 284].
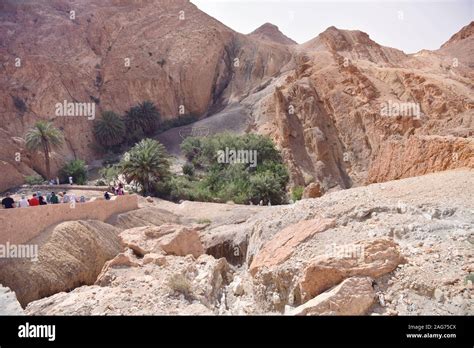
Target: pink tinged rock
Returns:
[379, 257]
[284, 243]
[354, 296]
[184, 241]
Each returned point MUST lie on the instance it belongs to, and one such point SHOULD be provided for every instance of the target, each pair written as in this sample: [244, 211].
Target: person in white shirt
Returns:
[66, 197]
[72, 198]
[23, 202]
[70, 180]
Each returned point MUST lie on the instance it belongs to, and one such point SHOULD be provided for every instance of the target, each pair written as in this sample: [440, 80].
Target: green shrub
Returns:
[297, 193]
[34, 180]
[141, 120]
[76, 169]
[109, 174]
[180, 285]
[468, 278]
[265, 187]
[265, 180]
[146, 164]
[109, 130]
[188, 169]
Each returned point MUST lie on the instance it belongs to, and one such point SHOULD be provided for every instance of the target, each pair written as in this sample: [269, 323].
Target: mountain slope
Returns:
[117, 54]
[270, 32]
[343, 109]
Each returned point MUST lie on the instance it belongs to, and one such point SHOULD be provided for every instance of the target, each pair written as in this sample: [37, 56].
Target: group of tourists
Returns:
[52, 198]
[38, 199]
[117, 190]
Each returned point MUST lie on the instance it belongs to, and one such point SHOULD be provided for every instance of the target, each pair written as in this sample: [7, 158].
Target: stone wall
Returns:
[20, 225]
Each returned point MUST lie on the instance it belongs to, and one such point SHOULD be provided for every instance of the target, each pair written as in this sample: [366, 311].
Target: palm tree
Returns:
[44, 136]
[146, 163]
[143, 117]
[109, 130]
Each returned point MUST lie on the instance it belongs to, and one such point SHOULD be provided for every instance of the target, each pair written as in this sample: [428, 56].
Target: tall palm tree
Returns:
[144, 117]
[109, 130]
[44, 136]
[146, 163]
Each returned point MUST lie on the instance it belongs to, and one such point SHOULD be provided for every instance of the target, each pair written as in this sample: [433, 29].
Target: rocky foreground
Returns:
[402, 247]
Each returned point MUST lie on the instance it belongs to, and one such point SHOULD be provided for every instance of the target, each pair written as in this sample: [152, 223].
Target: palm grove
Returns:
[132, 155]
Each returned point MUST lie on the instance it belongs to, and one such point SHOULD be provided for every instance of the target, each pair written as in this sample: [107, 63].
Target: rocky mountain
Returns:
[343, 109]
[115, 54]
[270, 32]
[352, 111]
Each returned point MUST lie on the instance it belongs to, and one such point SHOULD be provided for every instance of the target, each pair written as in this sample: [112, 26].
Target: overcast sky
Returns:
[406, 25]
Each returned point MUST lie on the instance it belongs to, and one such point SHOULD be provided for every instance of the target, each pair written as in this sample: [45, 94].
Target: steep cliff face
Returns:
[342, 108]
[353, 112]
[116, 54]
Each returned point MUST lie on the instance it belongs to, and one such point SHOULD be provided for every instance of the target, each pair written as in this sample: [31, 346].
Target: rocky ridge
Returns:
[324, 102]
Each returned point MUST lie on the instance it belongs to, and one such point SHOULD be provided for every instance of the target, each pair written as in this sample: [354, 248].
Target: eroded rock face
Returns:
[421, 155]
[183, 241]
[338, 113]
[354, 296]
[368, 258]
[125, 52]
[70, 255]
[9, 305]
[182, 286]
[322, 101]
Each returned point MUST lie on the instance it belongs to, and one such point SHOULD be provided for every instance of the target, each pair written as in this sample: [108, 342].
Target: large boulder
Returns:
[169, 238]
[354, 296]
[313, 190]
[181, 242]
[284, 243]
[70, 255]
[377, 257]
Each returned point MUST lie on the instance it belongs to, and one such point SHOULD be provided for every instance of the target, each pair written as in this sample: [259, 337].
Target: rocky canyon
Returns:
[380, 142]
[323, 102]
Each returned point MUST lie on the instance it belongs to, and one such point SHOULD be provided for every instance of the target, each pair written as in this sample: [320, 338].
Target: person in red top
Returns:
[34, 201]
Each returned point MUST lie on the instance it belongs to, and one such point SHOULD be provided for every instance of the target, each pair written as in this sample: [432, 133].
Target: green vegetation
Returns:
[141, 121]
[109, 130]
[109, 175]
[147, 164]
[76, 169]
[263, 180]
[34, 180]
[204, 221]
[115, 133]
[257, 176]
[180, 285]
[188, 169]
[297, 193]
[44, 136]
